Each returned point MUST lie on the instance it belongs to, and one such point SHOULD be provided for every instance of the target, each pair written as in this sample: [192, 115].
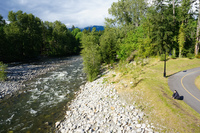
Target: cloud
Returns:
[80, 13]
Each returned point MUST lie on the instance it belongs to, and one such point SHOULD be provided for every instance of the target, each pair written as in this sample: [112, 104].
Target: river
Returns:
[43, 101]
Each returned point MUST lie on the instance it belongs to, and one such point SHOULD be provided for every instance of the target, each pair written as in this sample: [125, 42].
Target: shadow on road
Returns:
[172, 74]
[175, 73]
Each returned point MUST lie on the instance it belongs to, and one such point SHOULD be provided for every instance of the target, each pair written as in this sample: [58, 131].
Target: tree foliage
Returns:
[26, 36]
[139, 29]
[127, 12]
[135, 27]
[108, 45]
[91, 54]
[181, 39]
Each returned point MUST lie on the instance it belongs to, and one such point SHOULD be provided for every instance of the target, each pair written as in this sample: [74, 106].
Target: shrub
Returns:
[190, 55]
[173, 57]
[174, 54]
[125, 51]
[3, 67]
[162, 57]
[198, 56]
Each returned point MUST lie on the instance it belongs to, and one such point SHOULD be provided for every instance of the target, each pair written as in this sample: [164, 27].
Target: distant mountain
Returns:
[98, 28]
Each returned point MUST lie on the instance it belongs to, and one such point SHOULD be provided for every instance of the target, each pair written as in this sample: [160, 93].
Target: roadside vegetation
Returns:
[197, 82]
[145, 85]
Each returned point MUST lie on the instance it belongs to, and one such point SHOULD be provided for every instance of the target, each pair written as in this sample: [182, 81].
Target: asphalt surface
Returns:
[184, 83]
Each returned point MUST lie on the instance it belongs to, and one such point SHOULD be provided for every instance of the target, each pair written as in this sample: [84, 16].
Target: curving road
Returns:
[183, 82]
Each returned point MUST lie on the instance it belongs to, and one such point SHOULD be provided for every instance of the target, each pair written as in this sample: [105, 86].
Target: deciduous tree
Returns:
[91, 54]
[181, 39]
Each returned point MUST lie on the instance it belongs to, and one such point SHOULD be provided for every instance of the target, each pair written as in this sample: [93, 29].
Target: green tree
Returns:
[3, 49]
[85, 31]
[61, 43]
[58, 40]
[76, 42]
[78, 36]
[187, 16]
[160, 29]
[14, 37]
[75, 31]
[108, 45]
[47, 29]
[24, 35]
[73, 27]
[91, 54]
[127, 12]
[197, 34]
[181, 40]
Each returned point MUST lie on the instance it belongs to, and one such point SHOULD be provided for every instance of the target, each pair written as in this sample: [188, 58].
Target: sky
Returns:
[80, 13]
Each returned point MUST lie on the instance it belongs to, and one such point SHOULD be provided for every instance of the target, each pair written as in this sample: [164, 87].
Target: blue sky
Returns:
[80, 13]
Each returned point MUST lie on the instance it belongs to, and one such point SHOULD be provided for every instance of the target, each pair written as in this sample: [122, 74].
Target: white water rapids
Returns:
[37, 108]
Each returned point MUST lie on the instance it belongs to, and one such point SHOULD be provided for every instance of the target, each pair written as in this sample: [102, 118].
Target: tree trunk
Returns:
[198, 37]
[180, 52]
[173, 11]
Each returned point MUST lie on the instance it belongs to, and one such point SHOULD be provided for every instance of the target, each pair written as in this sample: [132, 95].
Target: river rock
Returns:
[99, 108]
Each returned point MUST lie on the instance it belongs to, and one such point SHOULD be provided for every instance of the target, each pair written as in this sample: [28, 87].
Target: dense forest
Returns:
[27, 37]
[139, 30]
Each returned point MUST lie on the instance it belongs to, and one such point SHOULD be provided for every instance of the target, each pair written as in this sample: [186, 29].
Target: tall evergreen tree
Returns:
[162, 25]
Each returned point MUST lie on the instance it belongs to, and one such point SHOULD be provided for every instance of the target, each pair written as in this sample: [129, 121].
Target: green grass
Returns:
[197, 82]
[149, 89]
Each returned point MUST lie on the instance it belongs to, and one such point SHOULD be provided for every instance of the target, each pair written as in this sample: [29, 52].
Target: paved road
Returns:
[183, 82]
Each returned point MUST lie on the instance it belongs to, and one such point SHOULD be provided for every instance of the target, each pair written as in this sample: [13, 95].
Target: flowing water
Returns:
[44, 101]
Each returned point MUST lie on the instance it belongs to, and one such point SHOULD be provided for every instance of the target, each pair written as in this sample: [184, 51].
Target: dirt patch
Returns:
[177, 105]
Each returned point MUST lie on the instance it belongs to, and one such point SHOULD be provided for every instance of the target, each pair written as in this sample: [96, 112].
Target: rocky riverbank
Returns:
[98, 108]
[17, 75]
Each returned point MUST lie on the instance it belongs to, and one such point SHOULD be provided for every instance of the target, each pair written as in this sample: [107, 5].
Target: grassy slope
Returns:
[149, 89]
[197, 82]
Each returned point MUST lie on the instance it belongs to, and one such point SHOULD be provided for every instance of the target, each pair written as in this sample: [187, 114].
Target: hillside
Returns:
[146, 85]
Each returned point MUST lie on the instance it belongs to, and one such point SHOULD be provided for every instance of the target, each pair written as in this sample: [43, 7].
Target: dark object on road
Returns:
[175, 95]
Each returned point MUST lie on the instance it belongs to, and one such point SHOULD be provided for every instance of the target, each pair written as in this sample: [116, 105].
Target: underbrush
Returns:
[145, 85]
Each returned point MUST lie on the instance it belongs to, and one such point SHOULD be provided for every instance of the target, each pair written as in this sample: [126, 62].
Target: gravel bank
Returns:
[99, 109]
[18, 74]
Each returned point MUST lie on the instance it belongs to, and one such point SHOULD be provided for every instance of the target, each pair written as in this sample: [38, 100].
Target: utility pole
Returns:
[164, 74]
